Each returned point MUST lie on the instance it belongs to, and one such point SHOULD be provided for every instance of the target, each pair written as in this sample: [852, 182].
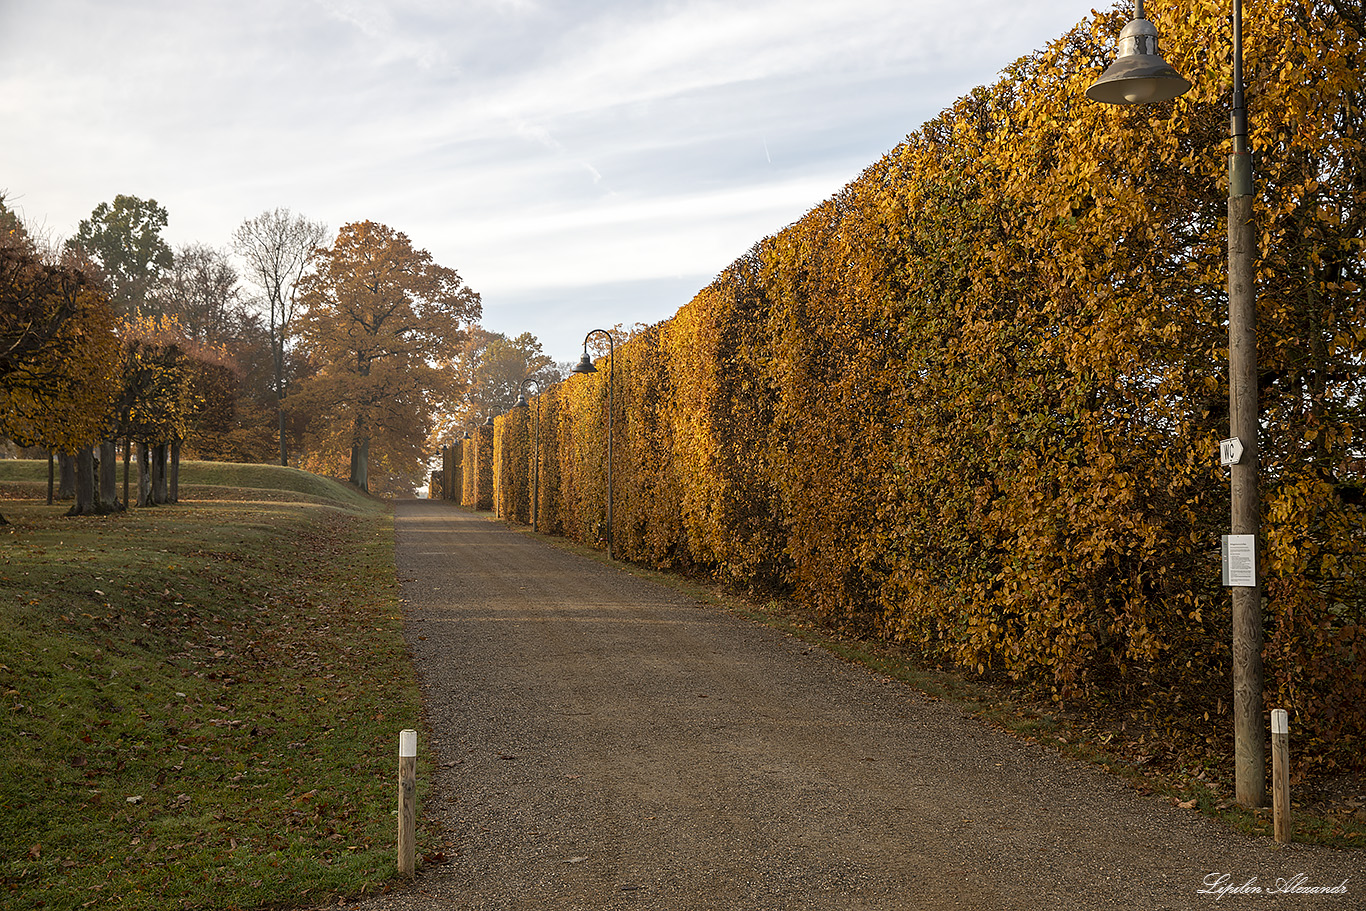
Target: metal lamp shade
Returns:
[1139, 74]
[586, 365]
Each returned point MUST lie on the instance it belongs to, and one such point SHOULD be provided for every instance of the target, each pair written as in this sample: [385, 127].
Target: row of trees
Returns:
[172, 330]
[75, 373]
[343, 358]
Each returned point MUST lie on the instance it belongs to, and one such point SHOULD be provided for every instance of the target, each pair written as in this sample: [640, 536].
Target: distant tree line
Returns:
[345, 358]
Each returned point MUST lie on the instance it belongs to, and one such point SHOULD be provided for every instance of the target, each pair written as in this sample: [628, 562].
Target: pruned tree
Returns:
[278, 248]
[383, 323]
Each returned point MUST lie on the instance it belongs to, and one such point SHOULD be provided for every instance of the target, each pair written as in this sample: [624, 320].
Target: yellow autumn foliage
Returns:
[973, 401]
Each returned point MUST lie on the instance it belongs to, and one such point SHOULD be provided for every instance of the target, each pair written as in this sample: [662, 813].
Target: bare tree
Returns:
[201, 292]
[278, 247]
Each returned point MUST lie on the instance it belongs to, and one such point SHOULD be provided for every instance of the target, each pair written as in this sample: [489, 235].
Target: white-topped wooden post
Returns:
[407, 802]
[1280, 773]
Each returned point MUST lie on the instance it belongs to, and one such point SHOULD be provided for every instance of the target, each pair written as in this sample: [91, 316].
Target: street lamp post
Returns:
[1138, 75]
[536, 449]
[445, 474]
[586, 366]
[465, 446]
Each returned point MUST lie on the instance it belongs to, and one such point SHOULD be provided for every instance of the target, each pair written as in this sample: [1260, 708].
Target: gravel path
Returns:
[605, 742]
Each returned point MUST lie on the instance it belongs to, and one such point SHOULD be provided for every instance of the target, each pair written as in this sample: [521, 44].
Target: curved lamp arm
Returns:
[586, 366]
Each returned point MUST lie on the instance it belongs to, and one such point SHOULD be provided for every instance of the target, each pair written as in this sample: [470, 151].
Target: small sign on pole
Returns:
[1240, 561]
[1230, 452]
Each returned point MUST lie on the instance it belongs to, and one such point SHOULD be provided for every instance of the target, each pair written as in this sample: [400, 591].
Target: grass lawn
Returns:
[200, 704]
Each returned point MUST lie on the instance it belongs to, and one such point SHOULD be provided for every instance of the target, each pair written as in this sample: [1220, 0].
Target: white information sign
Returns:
[1230, 452]
[1240, 561]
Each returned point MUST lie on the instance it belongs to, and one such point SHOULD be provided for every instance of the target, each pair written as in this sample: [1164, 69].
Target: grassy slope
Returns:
[207, 481]
[199, 704]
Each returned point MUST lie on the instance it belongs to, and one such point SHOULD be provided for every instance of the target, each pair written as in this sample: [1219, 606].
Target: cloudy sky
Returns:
[580, 162]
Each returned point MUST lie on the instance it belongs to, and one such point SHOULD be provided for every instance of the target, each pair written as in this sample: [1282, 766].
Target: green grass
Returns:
[199, 704]
[207, 481]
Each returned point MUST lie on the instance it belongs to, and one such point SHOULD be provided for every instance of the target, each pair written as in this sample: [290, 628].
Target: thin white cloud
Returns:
[631, 240]
[388, 33]
[529, 144]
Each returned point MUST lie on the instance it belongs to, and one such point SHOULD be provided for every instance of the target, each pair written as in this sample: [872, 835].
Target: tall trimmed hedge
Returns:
[973, 401]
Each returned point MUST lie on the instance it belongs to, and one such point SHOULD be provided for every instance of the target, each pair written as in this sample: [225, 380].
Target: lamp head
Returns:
[1139, 74]
[521, 401]
[585, 365]
[489, 422]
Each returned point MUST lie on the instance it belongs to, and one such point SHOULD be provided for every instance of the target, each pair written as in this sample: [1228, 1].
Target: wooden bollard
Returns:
[1280, 773]
[407, 802]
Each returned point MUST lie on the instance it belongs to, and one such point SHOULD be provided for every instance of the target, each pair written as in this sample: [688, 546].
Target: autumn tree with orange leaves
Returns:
[58, 356]
[383, 324]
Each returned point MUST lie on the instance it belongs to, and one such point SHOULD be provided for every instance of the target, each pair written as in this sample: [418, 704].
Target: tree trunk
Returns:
[279, 351]
[51, 458]
[109, 478]
[159, 473]
[284, 452]
[84, 483]
[144, 476]
[127, 451]
[174, 496]
[66, 466]
[360, 465]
